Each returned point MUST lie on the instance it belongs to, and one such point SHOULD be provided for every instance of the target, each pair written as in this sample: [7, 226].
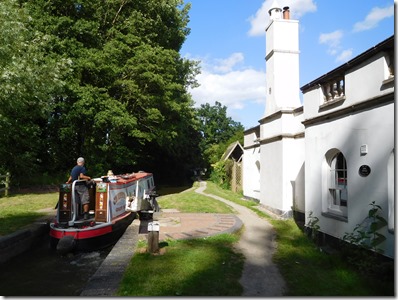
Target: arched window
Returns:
[337, 196]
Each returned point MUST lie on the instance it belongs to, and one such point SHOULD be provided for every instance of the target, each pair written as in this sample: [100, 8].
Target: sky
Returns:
[228, 38]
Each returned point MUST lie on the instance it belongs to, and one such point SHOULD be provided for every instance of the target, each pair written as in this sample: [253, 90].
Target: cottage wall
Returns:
[363, 119]
[345, 128]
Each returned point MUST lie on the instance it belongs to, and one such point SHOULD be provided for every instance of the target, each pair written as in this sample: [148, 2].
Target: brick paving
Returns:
[176, 225]
[173, 225]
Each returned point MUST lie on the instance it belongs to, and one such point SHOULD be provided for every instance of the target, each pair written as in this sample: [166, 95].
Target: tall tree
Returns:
[217, 131]
[126, 102]
[29, 79]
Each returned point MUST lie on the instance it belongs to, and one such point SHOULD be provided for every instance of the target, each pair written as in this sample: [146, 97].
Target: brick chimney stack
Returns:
[286, 13]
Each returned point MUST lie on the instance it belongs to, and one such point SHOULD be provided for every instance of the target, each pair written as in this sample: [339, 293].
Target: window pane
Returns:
[338, 184]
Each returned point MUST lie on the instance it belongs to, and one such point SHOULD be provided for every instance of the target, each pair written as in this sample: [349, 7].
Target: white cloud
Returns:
[221, 80]
[226, 65]
[344, 56]
[375, 16]
[331, 39]
[260, 20]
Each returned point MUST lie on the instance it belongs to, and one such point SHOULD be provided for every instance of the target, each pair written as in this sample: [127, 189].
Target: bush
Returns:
[221, 173]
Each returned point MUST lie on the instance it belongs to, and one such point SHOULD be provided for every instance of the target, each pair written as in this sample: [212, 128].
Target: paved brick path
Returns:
[176, 225]
[260, 276]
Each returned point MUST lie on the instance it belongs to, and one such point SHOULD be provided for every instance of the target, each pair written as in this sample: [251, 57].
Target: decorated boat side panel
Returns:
[64, 203]
[101, 205]
[118, 195]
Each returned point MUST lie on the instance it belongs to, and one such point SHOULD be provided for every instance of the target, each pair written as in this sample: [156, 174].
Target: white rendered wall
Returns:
[271, 175]
[374, 128]
[361, 84]
[282, 55]
[281, 174]
[251, 164]
[251, 171]
[283, 123]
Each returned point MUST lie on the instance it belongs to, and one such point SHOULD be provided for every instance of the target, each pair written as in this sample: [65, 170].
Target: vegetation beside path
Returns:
[199, 267]
[182, 266]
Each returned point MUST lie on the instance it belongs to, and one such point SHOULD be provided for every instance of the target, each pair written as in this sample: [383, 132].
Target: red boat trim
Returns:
[88, 232]
[80, 234]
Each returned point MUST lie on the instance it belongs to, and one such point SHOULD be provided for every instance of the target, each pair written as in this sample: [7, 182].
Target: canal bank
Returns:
[106, 279]
[22, 240]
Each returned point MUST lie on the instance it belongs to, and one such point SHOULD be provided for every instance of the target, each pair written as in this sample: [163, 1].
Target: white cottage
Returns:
[333, 155]
[349, 143]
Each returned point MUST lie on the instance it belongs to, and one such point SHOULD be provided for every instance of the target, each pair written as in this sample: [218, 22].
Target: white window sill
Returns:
[335, 216]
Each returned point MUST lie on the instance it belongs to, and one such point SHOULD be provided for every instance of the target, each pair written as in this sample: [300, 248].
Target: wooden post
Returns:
[233, 183]
[7, 184]
[153, 237]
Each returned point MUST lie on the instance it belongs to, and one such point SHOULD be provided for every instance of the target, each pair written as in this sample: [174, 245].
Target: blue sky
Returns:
[228, 38]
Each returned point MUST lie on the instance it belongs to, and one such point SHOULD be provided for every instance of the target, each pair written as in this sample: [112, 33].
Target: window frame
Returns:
[336, 191]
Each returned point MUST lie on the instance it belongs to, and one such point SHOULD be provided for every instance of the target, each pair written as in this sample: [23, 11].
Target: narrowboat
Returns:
[114, 203]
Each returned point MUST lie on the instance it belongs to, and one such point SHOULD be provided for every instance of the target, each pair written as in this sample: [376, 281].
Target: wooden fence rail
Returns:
[5, 182]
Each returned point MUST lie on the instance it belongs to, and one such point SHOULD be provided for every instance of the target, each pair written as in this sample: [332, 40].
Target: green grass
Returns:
[188, 201]
[211, 267]
[310, 272]
[197, 267]
[307, 270]
[17, 211]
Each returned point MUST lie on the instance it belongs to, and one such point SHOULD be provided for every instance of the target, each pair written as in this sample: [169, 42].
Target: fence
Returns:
[236, 180]
[5, 182]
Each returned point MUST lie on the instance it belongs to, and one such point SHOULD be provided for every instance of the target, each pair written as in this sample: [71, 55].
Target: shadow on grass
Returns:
[167, 190]
[194, 267]
[16, 221]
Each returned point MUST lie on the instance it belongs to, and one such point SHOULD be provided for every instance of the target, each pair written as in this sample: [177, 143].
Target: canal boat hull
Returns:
[114, 203]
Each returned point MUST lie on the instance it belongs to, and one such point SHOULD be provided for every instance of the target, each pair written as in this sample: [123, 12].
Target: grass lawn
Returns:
[197, 267]
[17, 211]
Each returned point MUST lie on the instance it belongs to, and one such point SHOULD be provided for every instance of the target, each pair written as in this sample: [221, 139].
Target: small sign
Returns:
[364, 170]
[364, 149]
[153, 226]
[101, 187]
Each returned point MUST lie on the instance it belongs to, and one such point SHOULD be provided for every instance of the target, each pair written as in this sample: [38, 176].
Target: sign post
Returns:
[153, 237]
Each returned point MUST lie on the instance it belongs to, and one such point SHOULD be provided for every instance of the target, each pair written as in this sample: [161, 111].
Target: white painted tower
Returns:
[281, 131]
[282, 60]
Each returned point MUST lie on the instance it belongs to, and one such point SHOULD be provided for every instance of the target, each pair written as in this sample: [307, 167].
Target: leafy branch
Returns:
[366, 234]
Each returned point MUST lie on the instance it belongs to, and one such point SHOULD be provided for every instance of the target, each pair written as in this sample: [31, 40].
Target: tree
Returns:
[217, 131]
[29, 79]
[126, 102]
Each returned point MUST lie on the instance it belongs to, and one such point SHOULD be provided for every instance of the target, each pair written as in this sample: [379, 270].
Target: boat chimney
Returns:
[286, 13]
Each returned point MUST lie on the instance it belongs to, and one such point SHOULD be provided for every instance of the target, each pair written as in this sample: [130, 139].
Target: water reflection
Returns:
[43, 272]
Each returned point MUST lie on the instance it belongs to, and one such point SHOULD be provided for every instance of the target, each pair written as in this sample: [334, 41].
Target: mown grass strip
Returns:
[17, 211]
[196, 267]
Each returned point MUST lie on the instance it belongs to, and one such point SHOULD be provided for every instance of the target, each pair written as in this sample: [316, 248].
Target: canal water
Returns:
[43, 272]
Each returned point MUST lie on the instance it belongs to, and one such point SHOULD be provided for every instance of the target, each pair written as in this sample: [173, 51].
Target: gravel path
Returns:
[260, 276]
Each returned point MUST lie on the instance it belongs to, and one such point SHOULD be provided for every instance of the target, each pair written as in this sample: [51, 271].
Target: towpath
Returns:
[261, 276]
